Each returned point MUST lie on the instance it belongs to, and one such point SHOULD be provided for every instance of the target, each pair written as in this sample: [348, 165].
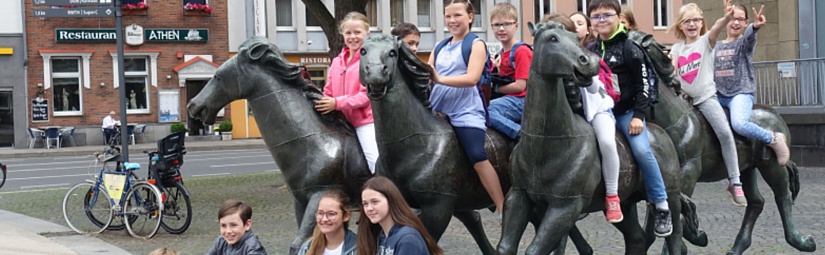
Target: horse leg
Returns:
[578, 240]
[777, 177]
[305, 214]
[436, 212]
[517, 211]
[755, 205]
[634, 236]
[472, 221]
[559, 218]
[674, 243]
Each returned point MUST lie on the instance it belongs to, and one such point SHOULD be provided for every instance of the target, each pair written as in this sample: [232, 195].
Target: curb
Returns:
[133, 149]
[32, 230]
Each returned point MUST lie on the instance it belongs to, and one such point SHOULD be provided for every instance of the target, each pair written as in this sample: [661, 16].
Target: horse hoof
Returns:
[807, 244]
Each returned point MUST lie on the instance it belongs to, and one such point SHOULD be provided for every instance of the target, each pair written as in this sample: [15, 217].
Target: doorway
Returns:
[6, 118]
[193, 87]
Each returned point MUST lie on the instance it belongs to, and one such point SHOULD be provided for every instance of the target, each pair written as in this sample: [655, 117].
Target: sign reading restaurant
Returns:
[150, 35]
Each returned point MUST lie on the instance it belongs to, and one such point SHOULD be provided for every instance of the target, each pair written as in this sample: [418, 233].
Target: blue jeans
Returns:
[740, 114]
[505, 114]
[640, 146]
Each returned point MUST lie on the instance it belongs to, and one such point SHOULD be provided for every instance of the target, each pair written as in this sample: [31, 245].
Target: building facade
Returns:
[170, 54]
[13, 73]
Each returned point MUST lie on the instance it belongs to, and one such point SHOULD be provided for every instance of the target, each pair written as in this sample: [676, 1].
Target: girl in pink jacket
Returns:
[343, 91]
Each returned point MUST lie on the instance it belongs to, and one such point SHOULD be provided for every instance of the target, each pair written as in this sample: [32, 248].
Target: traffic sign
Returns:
[96, 12]
[73, 2]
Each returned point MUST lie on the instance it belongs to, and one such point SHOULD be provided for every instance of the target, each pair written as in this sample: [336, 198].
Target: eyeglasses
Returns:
[602, 17]
[330, 215]
[693, 20]
[505, 25]
[742, 20]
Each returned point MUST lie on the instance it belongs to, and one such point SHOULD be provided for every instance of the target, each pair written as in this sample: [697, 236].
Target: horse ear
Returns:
[532, 28]
[258, 51]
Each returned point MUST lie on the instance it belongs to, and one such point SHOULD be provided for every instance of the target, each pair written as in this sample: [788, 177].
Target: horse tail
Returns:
[692, 232]
[793, 178]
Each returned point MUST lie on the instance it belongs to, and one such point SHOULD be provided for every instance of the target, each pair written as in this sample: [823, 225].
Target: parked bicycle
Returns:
[3, 168]
[164, 172]
[115, 198]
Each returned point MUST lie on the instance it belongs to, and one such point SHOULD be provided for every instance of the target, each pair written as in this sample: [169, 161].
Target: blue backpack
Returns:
[513, 53]
[486, 75]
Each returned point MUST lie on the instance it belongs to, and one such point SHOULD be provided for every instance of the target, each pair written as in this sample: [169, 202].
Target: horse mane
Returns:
[272, 59]
[416, 73]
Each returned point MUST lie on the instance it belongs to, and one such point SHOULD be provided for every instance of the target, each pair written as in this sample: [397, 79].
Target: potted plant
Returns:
[178, 127]
[226, 130]
[138, 7]
[204, 8]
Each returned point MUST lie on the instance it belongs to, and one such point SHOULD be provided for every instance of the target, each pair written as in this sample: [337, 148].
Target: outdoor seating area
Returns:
[134, 130]
[51, 135]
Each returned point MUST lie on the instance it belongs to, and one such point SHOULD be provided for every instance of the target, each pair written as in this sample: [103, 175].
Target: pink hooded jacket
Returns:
[344, 85]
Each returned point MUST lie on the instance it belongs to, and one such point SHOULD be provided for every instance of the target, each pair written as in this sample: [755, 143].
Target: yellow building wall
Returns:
[243, 125]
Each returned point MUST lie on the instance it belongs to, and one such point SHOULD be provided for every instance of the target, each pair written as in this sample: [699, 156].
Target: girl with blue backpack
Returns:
[455, 92]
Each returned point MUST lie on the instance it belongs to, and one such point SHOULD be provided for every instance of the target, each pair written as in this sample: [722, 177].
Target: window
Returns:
[283, 13]
[396, 12]
[66, 86]
[660, 15]
[136, 77]
[583, 4]
[424, 18]
[311, 20]
[195, 2]
[478, 20]
[372, 12]
[542, 7]
[318, 75]
[125, 2]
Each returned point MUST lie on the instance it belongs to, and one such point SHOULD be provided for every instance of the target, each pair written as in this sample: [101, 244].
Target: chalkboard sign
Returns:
[40, 110]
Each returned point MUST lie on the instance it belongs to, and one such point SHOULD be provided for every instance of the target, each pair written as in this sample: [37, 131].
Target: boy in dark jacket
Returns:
[236, 235]
[629, 65]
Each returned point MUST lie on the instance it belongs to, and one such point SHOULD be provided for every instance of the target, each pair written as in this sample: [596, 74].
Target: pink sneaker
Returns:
[735, 192]
[614, 210]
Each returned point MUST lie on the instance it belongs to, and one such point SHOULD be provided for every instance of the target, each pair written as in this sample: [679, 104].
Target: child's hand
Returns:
[759, 19]
[497, 61]
[728, 8]
[636, 126]
[325, 105]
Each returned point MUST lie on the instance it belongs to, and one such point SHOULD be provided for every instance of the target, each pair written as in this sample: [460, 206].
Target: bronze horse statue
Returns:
[419, 150]
[701, 160]
[314, 152]
[556, 168]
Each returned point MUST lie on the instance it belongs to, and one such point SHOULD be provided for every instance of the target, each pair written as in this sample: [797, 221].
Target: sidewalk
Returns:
[234, 144]
[21, 234]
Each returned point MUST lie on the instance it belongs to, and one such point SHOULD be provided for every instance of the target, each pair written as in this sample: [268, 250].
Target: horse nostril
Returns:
[583, 59]
[385, 70]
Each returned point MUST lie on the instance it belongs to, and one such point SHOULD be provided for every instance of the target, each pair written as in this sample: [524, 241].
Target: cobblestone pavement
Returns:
[718, 218]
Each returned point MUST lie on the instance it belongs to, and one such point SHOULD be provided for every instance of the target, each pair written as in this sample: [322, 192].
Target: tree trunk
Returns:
[330, 24]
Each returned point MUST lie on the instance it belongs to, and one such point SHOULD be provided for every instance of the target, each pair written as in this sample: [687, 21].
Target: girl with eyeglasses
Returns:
[693, 60]
[735, 84]
[331, 235]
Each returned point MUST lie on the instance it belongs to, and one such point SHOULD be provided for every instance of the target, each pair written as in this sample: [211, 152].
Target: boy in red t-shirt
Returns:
[505, 112]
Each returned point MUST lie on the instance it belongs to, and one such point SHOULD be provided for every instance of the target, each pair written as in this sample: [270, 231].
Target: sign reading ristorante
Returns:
[150, 34]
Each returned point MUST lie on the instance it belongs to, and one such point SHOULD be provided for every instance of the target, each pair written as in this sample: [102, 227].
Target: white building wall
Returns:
[236, 14]
[11, 21]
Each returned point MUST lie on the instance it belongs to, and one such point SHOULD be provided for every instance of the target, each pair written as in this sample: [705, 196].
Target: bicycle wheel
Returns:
[143, 204]
[85, 210]
[3, 181]
[177, 210]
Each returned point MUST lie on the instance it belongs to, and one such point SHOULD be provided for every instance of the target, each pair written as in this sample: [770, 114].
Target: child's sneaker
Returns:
[662, 223]
[614, 210]
[738, 196]
[780, 147]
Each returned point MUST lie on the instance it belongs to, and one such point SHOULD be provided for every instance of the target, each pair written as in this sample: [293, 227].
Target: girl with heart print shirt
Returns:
[693, 61]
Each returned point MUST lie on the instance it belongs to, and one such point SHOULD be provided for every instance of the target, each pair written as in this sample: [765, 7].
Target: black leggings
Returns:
[472, 140]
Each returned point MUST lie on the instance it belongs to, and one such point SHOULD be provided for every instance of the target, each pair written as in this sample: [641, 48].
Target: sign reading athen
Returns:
[149, 34]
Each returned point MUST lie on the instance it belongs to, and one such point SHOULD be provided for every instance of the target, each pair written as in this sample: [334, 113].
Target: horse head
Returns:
[386, 61]
[258, 69]
[554, 44]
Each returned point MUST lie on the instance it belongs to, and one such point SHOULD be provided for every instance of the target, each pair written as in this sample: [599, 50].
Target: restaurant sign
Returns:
[149, 34]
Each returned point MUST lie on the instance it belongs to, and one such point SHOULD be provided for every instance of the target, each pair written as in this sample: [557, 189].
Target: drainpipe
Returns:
[25, 73]
[250, 18]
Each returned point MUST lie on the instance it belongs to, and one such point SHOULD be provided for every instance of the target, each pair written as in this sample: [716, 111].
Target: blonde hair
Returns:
[684, 11]
[506, 10]
[163, 251]
[319, 240]
[354, 16]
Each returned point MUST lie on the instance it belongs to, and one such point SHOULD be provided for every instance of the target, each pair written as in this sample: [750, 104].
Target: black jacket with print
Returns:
[633, 82]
